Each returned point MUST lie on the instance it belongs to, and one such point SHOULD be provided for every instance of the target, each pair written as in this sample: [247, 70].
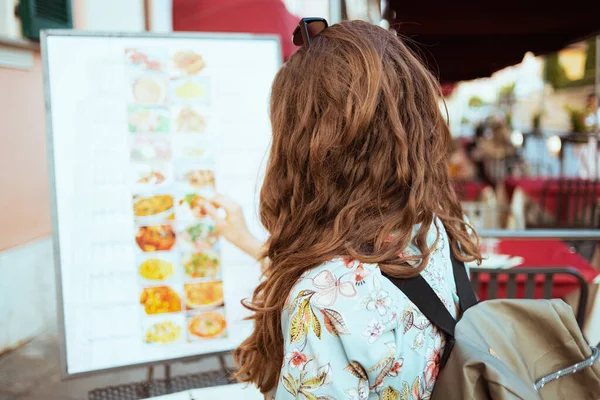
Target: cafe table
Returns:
[550, 194]
[542, 253]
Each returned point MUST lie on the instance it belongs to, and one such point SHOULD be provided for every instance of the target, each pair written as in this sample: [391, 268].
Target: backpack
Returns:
[507, 348]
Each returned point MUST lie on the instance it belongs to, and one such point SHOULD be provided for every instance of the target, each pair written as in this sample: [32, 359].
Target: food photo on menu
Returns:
[192, 206]
[193, 148]
[186, 63]
[190, 90]
[156, 268]
[195, 177]
[155, 238]
[142, 118]
[151, 176]
[149, 89]
[161, 299]
[189, 119]
[203, 295]
[145, 149]
[146, 60]
[197, 236]
[206, 264]
[164, 329]
[206, 325]
[153, 209]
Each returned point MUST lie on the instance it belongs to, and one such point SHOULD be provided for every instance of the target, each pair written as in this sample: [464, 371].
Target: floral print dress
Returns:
[350, 333]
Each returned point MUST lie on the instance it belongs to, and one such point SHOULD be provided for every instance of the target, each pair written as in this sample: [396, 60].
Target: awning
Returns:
[246, 16]
[467, 39]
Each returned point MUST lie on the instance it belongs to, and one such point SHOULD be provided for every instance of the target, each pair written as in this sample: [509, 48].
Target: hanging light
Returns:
[516, 138]
[554, 144]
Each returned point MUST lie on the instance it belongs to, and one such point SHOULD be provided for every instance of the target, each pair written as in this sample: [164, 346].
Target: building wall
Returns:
[24, 203]
[27, 288]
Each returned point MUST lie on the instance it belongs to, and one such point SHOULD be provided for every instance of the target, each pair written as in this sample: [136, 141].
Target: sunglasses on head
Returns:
[307, 29]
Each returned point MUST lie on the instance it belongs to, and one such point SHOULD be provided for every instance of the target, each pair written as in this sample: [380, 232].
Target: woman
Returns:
[496, 153]
[461, 167]
[356, 187]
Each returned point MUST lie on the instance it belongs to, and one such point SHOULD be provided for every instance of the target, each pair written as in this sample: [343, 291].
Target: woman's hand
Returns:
[233, 226]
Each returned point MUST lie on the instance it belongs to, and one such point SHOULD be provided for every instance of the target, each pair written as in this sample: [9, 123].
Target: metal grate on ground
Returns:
[159, 387]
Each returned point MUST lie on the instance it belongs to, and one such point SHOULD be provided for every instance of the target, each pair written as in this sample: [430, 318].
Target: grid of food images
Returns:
[172, 175]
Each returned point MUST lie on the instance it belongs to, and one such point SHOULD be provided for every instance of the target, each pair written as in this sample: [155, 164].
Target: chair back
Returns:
[502, 283]
[573, 203]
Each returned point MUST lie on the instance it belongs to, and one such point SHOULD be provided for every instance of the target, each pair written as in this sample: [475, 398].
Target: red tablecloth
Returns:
[469, 190]
[534, 188]
[541, 253]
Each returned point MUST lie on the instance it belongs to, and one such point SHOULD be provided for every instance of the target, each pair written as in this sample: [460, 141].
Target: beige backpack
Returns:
[507, 349]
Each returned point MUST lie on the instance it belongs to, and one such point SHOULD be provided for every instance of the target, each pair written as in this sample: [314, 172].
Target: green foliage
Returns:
[508, 89]
[590, 56]
[554, 73]
[506, 95]
[476, 102]
[509, 120]
[536, 121]
[577, 119]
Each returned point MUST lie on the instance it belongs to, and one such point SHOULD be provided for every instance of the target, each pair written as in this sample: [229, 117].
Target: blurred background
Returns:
[521, 88]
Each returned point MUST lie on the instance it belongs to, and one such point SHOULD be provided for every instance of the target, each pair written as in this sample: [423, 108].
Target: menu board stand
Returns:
[143, 130]
[159, 387]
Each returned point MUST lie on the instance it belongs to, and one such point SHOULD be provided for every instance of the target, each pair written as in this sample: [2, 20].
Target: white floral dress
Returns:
[350, 333]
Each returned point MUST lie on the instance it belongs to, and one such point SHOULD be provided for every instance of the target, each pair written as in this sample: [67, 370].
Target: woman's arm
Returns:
[233, 227]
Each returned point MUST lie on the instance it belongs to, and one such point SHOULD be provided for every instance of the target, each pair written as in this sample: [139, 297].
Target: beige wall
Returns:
[24, 200]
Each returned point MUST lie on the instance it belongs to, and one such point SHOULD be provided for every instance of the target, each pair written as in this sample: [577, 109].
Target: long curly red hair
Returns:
[359, 156]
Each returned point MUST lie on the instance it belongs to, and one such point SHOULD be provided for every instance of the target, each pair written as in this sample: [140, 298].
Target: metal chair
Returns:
[576, 203]
[575, 206]
[530, 275]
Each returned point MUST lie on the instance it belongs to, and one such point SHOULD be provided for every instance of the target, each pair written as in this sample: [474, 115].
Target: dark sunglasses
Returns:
[307, 29]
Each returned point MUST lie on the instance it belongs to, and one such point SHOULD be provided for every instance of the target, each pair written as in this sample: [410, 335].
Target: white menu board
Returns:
[142, 130]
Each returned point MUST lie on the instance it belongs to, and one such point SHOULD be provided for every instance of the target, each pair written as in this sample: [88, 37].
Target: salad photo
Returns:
[202, 265]
[201, 236]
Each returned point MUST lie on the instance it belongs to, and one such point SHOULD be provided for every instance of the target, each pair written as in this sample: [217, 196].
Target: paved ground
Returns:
[32, 372]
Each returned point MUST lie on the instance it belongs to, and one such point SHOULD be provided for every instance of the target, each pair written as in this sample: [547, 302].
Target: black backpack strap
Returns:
[422, 295]
[466, 295]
